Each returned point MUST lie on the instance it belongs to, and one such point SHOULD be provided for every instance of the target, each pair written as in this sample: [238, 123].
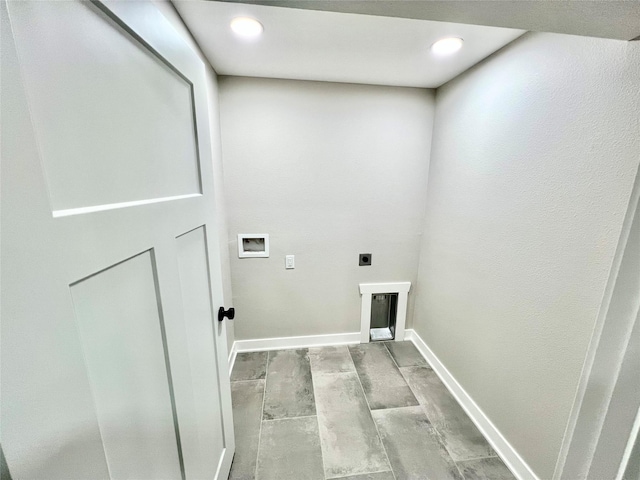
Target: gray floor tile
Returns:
[459, 435]
[331, 360]
[413, 445]
[247, 415]
[249, 366]
[289, 390]
[485, 469]
[370, 476]
[350, 442]
[405, 354]
[431, 440]
[290, 449]
[383, 383]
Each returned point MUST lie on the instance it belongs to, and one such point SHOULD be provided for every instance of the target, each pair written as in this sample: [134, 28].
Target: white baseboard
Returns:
[281, 343]
[503, 448]
[232, 357]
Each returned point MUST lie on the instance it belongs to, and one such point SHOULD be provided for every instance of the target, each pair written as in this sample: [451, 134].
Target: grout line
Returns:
[456, 465]
[250, 380]
[287, 418]
[405, 381]
[397, 408]
[264, 397]
[426, 364]
[353, 475]
[315, 402]
[412, 391]
[393, 359]
[439, 435]
[372, 419]
[477, 458]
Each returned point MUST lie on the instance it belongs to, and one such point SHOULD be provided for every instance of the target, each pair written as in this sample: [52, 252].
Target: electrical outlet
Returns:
[365, 259]
[290, 261]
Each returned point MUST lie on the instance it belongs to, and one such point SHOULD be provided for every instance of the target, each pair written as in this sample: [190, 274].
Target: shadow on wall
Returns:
[4, 468]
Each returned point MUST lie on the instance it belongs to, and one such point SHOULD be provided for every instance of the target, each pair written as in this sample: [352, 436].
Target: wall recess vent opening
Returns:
[384, 307]
[253, 245]
[383, 312]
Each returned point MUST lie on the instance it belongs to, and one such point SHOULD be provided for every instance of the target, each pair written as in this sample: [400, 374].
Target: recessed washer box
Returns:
[253, 245]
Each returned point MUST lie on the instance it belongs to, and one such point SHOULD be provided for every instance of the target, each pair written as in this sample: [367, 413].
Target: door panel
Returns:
[123, 339]
[113, 365]
[196, 302]
[114, 121]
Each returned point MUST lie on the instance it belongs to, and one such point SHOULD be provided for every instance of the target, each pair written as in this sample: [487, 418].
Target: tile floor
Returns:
[362, 412]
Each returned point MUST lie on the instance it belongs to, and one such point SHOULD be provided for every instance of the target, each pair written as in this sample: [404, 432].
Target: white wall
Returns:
[329, 171]
[169, 11]
[534, 157]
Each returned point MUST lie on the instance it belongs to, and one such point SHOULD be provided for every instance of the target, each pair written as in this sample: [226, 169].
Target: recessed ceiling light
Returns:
[246, 27]
[447, 46]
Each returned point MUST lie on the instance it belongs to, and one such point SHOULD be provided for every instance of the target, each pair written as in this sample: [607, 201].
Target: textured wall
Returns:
[534, 157]
[329, 171]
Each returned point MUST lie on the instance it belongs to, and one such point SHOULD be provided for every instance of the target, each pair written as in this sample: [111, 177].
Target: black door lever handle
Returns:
[230, 314]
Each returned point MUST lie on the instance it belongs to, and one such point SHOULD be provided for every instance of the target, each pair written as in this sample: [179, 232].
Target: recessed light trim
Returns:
[246, 27]
[447, 46]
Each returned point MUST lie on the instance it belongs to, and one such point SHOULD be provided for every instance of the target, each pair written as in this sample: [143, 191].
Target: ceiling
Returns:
[616, 19]
[336, 47]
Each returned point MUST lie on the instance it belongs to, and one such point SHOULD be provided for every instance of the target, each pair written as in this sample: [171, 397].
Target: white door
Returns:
[113, 362]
